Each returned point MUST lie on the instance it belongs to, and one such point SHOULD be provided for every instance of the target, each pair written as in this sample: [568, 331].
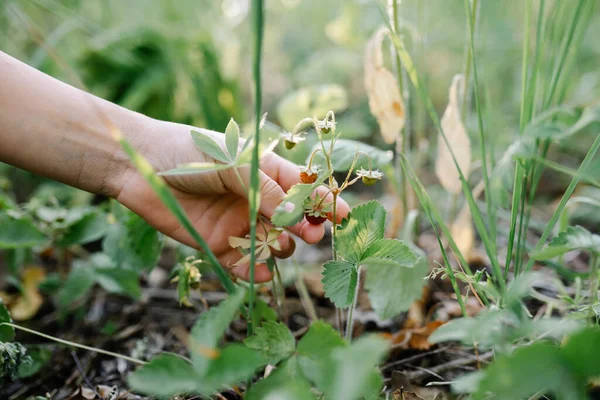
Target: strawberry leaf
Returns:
[574, 238]
[274, 340]
[165, 376]
[314, 349]
[234, 364]
[283, 384]
[364, 225]
[340, 279]
[19, 232]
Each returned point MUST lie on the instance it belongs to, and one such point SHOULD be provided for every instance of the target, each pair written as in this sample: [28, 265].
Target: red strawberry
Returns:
[315, 220]
[306, 178]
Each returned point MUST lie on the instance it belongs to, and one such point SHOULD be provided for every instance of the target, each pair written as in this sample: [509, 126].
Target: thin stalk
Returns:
[468, 65]
[484, 166]
[254, 193]
[517, 194]
[334, 252]
[349, 323]
[566, 196]
[72, 344]
[523, 115]
[594, 279]
[402, 142]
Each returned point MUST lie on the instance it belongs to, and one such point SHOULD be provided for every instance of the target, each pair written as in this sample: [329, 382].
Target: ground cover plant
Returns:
[472, 274]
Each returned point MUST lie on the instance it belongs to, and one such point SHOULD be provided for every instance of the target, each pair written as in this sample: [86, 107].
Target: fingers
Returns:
[282, 171]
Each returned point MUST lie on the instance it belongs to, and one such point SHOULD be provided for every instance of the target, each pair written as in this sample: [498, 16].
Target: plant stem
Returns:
[594, 278]
[254, 194]
[349, 323]
[72, 344]
[468, 64]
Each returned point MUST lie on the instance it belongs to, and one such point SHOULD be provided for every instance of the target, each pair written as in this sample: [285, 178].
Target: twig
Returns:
[413, 358]
[461, 362]
[83, 375]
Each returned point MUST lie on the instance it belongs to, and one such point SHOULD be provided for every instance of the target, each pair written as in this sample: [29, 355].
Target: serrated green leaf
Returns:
[344, 152]
[395, 277]
[88, 228]
[273, 340]
[537, 368]
[291, 209]
[574, 238]
[234, 364]
[232, 138]
[12, 356]
[210, 328]
[339, 281]
[39, 358]
[118, 280]
[165, 376]
[283, 384]
[7, 333]
[209, 146]
[79, 282]
[314, 349]
[143, 245]
[365, 224]
[19, 232]
[351, 369]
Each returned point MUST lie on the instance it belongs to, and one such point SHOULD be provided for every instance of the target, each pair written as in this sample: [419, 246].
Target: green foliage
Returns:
[283, 384]
[314, 349]
[574, 238]
[339, 281]
[344, 152]
[541, 368]
[19, 232]
[291, 209]
[212, 367]
[12, 356]
[90, 226]
[39, 357]
[273, 340]
[394, 272]
[7, 333]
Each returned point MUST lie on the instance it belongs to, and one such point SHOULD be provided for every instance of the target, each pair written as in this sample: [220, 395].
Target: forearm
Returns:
[58, 131]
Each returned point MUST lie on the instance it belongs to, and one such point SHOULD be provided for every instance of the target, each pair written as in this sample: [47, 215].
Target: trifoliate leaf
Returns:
[314, 349]
[274, 340]
[119, 280]
[7, 333]
[395, 277]
[351, 369]
[283, 384]
[344, 152]
[209, 146]
[232, 138]
[365, 224]
[291, 209]
[165, 376]
[19, 232]
[210, 328]
[339, 281]
[234, 364]
[574, 238]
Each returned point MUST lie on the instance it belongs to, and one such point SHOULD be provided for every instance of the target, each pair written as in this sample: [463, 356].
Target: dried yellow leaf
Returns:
[459, 141]
[28, 304]
[385, 100]
[463, 233]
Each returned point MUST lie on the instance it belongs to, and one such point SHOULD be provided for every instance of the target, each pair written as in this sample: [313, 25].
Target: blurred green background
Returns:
[189, 60]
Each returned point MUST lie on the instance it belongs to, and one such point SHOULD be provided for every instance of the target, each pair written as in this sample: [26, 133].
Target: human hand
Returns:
[215, 202]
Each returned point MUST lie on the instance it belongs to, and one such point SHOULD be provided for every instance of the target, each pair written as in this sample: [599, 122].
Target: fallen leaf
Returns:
[30, 300]
[416, 338]
[405, 395]
[462, 232]
[385, 99]
[458, 139]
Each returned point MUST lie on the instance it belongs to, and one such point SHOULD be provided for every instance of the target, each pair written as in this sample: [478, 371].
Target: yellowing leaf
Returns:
[462, 231]
[459, 141]
[28, 304]
[385, 99]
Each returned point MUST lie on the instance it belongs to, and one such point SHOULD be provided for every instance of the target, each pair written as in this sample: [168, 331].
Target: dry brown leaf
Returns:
[385, 99]
[415, 338]
[463, 233]
[458, 138]
[28, 304]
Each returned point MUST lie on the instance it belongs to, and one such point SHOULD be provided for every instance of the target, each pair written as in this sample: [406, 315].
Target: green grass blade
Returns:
[165, 195]
[566, 196]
